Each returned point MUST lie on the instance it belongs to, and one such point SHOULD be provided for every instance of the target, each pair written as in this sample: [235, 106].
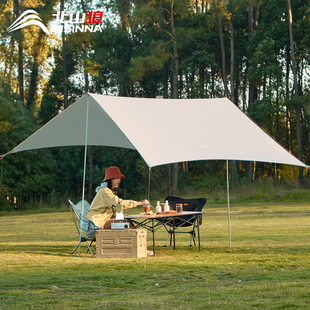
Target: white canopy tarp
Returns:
[162, 130]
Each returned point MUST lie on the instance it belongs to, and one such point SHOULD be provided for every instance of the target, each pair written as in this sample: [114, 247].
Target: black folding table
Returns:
[153, 222]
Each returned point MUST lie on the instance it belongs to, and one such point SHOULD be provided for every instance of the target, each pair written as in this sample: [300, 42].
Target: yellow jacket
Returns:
[101, 207]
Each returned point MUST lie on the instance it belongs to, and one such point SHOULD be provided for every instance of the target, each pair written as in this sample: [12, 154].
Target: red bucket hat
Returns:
[113, 172]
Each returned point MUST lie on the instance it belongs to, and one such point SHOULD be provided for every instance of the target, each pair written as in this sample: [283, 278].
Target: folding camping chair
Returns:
[195, 204]
[88, 227]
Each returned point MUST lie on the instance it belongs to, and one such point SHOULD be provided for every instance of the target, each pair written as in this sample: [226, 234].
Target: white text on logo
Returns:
[76, 22]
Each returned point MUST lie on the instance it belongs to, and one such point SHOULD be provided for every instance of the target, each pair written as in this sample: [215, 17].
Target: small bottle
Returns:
[167, 207]
[158, 208]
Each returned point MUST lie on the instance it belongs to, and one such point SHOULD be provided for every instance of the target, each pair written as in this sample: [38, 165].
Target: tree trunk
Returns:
[175, 169]
[232, 61]
[123, 8]
[11, 62]
[234, 171]
[175, 56]
[175, 177]
[20, 54]
[201, 82]
[256, 15]
[222, 51]
[165, 69]
[288, 113]
[33, 86]
[85, 70]
[288, 130]
[134, 43]
[64, 57]
[249, 165]
[252, 90]
[297, 109]
[277, 136]
[234, 165]
[244, 87]
[252, 96]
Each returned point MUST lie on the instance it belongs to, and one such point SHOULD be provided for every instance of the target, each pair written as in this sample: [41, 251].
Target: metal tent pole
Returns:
[149, 185]
[84, 172]
[228, 202]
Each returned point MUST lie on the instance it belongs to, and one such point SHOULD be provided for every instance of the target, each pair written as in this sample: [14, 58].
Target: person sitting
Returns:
[100, 211]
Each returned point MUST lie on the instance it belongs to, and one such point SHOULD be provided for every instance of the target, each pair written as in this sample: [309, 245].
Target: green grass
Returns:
[267, 266]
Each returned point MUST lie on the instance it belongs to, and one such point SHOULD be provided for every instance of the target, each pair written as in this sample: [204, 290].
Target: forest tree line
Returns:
[255, 52]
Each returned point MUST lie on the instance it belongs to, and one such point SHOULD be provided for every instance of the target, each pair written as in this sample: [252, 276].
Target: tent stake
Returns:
[228, 203]
[84, 172]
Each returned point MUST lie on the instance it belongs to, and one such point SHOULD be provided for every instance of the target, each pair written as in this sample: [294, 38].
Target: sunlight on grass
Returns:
[267, 266]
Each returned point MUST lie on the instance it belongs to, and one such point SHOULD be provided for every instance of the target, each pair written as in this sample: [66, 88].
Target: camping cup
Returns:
[162, 207]
[146, 208]
[179, 207]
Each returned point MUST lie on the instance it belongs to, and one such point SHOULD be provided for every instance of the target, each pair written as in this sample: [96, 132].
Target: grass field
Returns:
[267, 267]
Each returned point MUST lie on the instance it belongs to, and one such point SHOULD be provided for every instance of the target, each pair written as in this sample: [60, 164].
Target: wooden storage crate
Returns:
[121, 243]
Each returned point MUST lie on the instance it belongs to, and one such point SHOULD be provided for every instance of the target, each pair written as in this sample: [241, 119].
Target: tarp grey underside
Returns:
[162, 130]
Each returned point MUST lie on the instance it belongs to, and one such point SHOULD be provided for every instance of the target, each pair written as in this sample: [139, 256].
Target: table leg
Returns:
[153, 230]
[198, 220]
[173, 233]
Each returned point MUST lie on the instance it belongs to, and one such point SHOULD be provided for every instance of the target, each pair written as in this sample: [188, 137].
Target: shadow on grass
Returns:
[161, 251]
[46, 249]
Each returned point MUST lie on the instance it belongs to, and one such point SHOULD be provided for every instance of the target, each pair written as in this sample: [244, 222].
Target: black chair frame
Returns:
[195, 204]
